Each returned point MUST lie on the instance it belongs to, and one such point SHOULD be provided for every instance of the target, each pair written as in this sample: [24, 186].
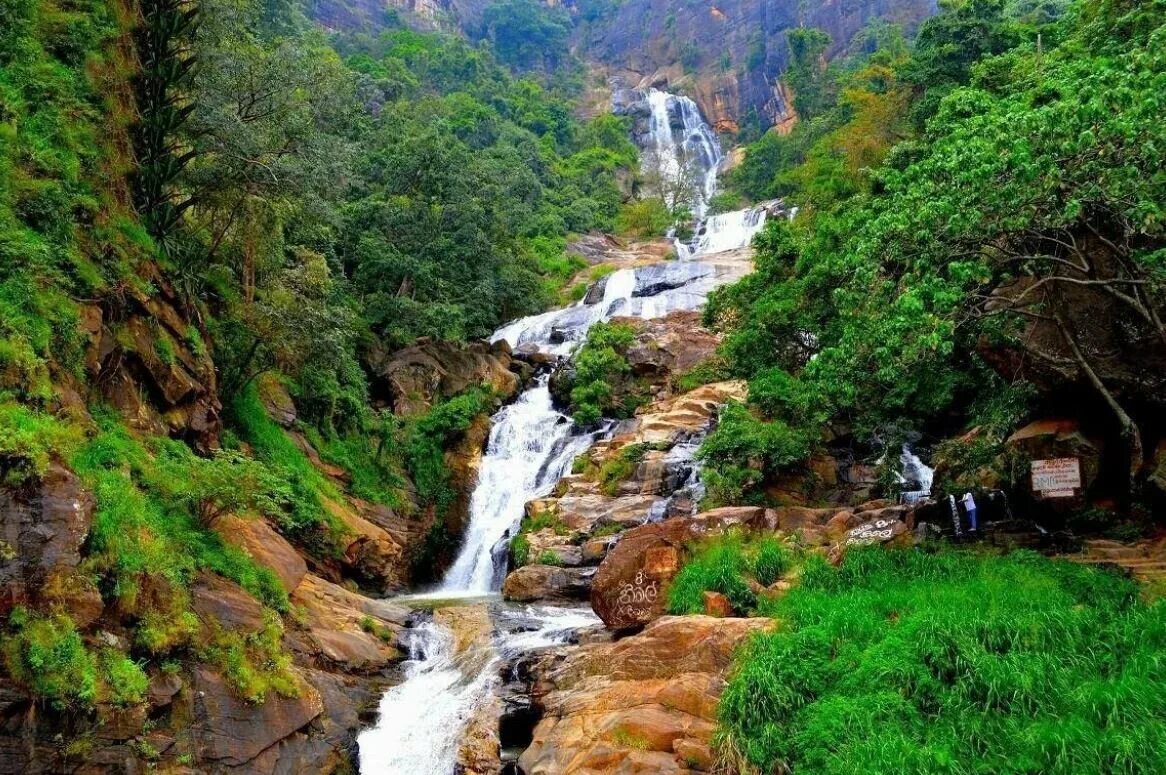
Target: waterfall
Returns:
[684, 151]
[420, 719]
[726, 231]
[531, 446]
[914, 471]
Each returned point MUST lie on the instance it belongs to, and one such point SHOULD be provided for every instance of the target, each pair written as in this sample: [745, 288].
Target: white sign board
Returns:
[1056, 478]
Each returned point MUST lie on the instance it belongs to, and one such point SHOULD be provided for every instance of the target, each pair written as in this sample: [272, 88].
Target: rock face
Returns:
[42, 527]
[643, 704]
[149, 362]
[410, 380]
[547, 583]
[657, 486]
[734, 52]
[1060, 438]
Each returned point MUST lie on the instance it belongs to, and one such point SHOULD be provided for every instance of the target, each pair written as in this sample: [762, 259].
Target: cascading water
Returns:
[531, 446]
[914, 471]
[420, 719]
[684, 151]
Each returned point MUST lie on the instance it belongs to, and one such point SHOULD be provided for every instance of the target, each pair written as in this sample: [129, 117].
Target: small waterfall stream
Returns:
[531, 446]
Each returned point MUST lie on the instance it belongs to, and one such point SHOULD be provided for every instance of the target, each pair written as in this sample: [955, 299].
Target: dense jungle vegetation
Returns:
[968, 195]
[295, 197]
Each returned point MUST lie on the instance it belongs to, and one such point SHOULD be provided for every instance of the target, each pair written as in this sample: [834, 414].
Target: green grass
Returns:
[306, 521]
[953, 662]
[718, 565]
[549, 557]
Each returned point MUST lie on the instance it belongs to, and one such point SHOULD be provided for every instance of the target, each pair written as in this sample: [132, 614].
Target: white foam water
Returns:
[531, 446]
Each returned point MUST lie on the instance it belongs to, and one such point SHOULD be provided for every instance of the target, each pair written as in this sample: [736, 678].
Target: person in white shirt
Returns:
[970, 507]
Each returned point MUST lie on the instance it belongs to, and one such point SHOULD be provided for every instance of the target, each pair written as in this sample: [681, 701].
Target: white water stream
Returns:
[531, 446]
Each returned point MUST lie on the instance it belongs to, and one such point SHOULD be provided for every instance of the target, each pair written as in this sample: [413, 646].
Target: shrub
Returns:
[603, 384]
[900, 660]
[45, 653]
[620, 468]
[520, 550]
[717, 566]
[644, 218]
[771, 561]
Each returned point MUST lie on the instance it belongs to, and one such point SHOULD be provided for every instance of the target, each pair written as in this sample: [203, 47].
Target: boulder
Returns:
[344, 629]
[473, 633]
[225, 604]
[629, 588]
[229, 731]
[716, 604]
[264, 545]
[1059, 438]
[43, 523]
[413, 378]
[372, 554]
[646, 703]
[547, 583]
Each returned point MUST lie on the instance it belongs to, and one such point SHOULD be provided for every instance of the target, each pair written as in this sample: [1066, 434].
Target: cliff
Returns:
[728, 55]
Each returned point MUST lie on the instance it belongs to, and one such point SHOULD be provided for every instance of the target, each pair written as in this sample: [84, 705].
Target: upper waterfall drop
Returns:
[684, 152]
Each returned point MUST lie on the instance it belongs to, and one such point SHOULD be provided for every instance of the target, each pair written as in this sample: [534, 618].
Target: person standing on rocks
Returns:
[970, 508]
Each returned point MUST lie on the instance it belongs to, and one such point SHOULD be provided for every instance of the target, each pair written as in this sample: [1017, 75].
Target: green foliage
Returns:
[519, 550]
[304, 518]
[46, 654]
[470, 180]
[620, 468]
[743, 449]
[1015, 663]
[603, 384]
[29, 440]
[714, 369]
[771, 560]
[424, 441]
[526, 34]
[150, 528]
[644, 218]
[718, 565]
[548, 557]
[123, 680]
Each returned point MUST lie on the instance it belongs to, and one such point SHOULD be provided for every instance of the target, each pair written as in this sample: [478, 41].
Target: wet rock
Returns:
[43, 524]
[547, 583]
[472, 628]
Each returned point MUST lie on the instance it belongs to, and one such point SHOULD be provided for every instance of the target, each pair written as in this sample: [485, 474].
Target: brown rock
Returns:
[716, 604]
[644, 704]
[1060, 438]
[42, 526]
[228, 731]
[372, 554]
[791, 518]
[336, 626]
[417, 376]
[275, 399]
[224, 603]
[264, 545]
[547, 582]
[629, 587]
